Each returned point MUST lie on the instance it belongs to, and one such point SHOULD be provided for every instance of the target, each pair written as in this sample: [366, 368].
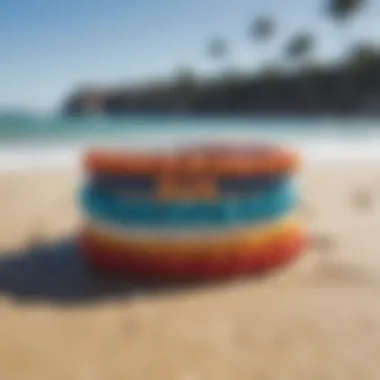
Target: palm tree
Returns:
[362, 56]
[262, 29]
[185, 76]
[217, 48]
[300, 47]
[342, 10]
[299, 50]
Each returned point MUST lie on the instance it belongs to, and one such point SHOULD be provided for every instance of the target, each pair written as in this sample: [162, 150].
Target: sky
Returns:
[48, 48]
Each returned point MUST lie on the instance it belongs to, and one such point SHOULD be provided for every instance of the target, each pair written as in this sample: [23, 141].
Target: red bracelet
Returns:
[248, 260]
[196, 162]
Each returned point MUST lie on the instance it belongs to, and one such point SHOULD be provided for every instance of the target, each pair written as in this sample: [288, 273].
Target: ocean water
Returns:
[55, 141]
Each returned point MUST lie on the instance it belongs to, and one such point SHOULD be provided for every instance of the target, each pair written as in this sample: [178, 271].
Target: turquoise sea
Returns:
[43, 141]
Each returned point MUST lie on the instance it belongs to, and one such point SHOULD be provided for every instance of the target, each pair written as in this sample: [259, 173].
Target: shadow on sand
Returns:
[57, 273]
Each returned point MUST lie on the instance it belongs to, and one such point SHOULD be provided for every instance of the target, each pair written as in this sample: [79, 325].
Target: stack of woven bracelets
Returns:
[198, 212]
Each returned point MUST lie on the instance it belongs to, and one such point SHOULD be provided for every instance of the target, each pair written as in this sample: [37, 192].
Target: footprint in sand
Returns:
[323, 243]
[348, 273]
[361, 199]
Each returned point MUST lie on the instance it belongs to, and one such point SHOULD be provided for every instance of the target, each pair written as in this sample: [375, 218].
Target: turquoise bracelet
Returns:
[108, 207]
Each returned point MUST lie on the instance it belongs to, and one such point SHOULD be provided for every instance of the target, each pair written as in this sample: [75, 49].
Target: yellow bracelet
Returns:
[151, 244]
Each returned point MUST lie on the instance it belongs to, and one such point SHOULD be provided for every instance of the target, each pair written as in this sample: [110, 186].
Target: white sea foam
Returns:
[45, 154]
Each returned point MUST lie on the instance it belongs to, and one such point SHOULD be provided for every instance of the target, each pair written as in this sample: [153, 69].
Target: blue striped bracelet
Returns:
[125, 211]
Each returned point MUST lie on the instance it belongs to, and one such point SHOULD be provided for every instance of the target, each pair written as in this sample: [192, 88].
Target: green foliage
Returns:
[364, 56]
[272, 73]
[262, 28]
[217, 48]
[185, 75]
[341, 10]
[300, 46]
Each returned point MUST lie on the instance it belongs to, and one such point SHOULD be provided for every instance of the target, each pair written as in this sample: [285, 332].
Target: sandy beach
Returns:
[317, 319]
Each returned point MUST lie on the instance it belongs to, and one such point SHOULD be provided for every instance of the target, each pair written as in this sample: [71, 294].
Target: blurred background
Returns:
[317, 57]
[244, 58]
[77, 73]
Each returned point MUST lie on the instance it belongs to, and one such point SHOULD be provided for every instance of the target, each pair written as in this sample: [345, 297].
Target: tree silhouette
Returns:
[299, 50]
[300, 47]
[217, 48]
[364, 56]
[185, 77]
[342, 10]
[262, 28]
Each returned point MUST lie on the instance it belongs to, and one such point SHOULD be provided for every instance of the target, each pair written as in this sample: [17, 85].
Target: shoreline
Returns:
[23, 164]
[66, 155]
